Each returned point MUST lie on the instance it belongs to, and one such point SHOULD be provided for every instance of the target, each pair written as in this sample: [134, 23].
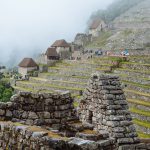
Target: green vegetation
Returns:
[143, 135]
[76, 104]
[136, 71]
[145, 124]
[139, 102]
[6, 91]
[100, 41]
[133, 63]
[140, 112]
[136, 84]
[136, 92]
[50, 86]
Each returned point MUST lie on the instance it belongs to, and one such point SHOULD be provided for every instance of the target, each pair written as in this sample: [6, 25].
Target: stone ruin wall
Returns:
[38, 109]
[22, 120]
[105, 107]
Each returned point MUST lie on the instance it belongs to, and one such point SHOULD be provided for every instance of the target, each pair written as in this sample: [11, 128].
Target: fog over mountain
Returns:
[28, 27]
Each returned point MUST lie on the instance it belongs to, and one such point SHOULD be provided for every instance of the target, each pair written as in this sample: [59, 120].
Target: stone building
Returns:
[27, 65]
[96, 27]
[105, 107]
[62, 48]
[51, 54]
[82, 39]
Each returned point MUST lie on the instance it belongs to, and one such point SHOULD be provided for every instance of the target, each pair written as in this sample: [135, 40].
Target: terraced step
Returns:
[54, 76]
[135, 66]
[70, 72]
[143, 135]
[137, 103]
[58, 82]
[47, 87]
[140, 59]
[133, 94]
[142, 126]
[137, 86]
[130, 72]
[134, 78]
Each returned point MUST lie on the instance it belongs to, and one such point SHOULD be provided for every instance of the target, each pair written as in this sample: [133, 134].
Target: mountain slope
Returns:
[130, 30]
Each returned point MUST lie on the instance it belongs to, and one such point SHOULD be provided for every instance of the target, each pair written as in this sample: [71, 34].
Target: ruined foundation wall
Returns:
[38, 109]
[104, 105]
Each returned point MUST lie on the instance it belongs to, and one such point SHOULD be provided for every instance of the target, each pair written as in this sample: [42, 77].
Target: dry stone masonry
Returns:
[50, 122]
[105, 107]
[38, 109]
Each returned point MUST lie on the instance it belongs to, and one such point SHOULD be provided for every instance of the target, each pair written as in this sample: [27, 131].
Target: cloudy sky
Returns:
[30, 26]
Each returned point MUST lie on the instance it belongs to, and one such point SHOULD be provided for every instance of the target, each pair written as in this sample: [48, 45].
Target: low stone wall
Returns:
[38, 109]
[21, 137]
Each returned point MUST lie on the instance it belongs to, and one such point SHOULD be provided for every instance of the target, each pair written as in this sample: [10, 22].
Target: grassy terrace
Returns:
[50, 86]
[136, 84]
[143, 135]
[61, 75]
[139, 102]
[125, 75]
[83, 67]
[145, 124]
[131, 70]
[133, 63]
[136, 92]
[60, 81]
[140, 112]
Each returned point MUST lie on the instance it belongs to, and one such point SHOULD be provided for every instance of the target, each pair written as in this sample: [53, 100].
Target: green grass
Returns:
[140, 112]
[139, 102]
[133, 63]
[136, 84]
[59, 75]
[126, 75]
[136, 92]
[143, 135]
[75, 104]
[100, 41]
[60, 81]
[136, 71]
[51, 86]
[145, 124]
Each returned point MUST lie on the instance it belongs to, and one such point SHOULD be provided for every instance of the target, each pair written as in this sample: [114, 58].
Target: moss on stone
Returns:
[139, 102]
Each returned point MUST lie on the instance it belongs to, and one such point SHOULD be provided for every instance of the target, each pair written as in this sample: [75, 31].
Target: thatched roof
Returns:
[27, 62]
[51, 51]
[60, 43]
[95, 24]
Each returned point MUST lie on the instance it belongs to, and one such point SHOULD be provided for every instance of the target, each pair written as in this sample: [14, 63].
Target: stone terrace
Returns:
[73, 76]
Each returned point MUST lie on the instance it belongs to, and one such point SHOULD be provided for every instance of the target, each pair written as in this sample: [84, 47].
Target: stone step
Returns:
[133, 94]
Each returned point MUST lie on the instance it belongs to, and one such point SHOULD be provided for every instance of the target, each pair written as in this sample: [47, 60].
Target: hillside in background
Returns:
[130, 30]
[114, 10]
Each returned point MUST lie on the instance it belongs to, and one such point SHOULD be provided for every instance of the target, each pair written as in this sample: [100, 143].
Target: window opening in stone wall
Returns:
[90, 117]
